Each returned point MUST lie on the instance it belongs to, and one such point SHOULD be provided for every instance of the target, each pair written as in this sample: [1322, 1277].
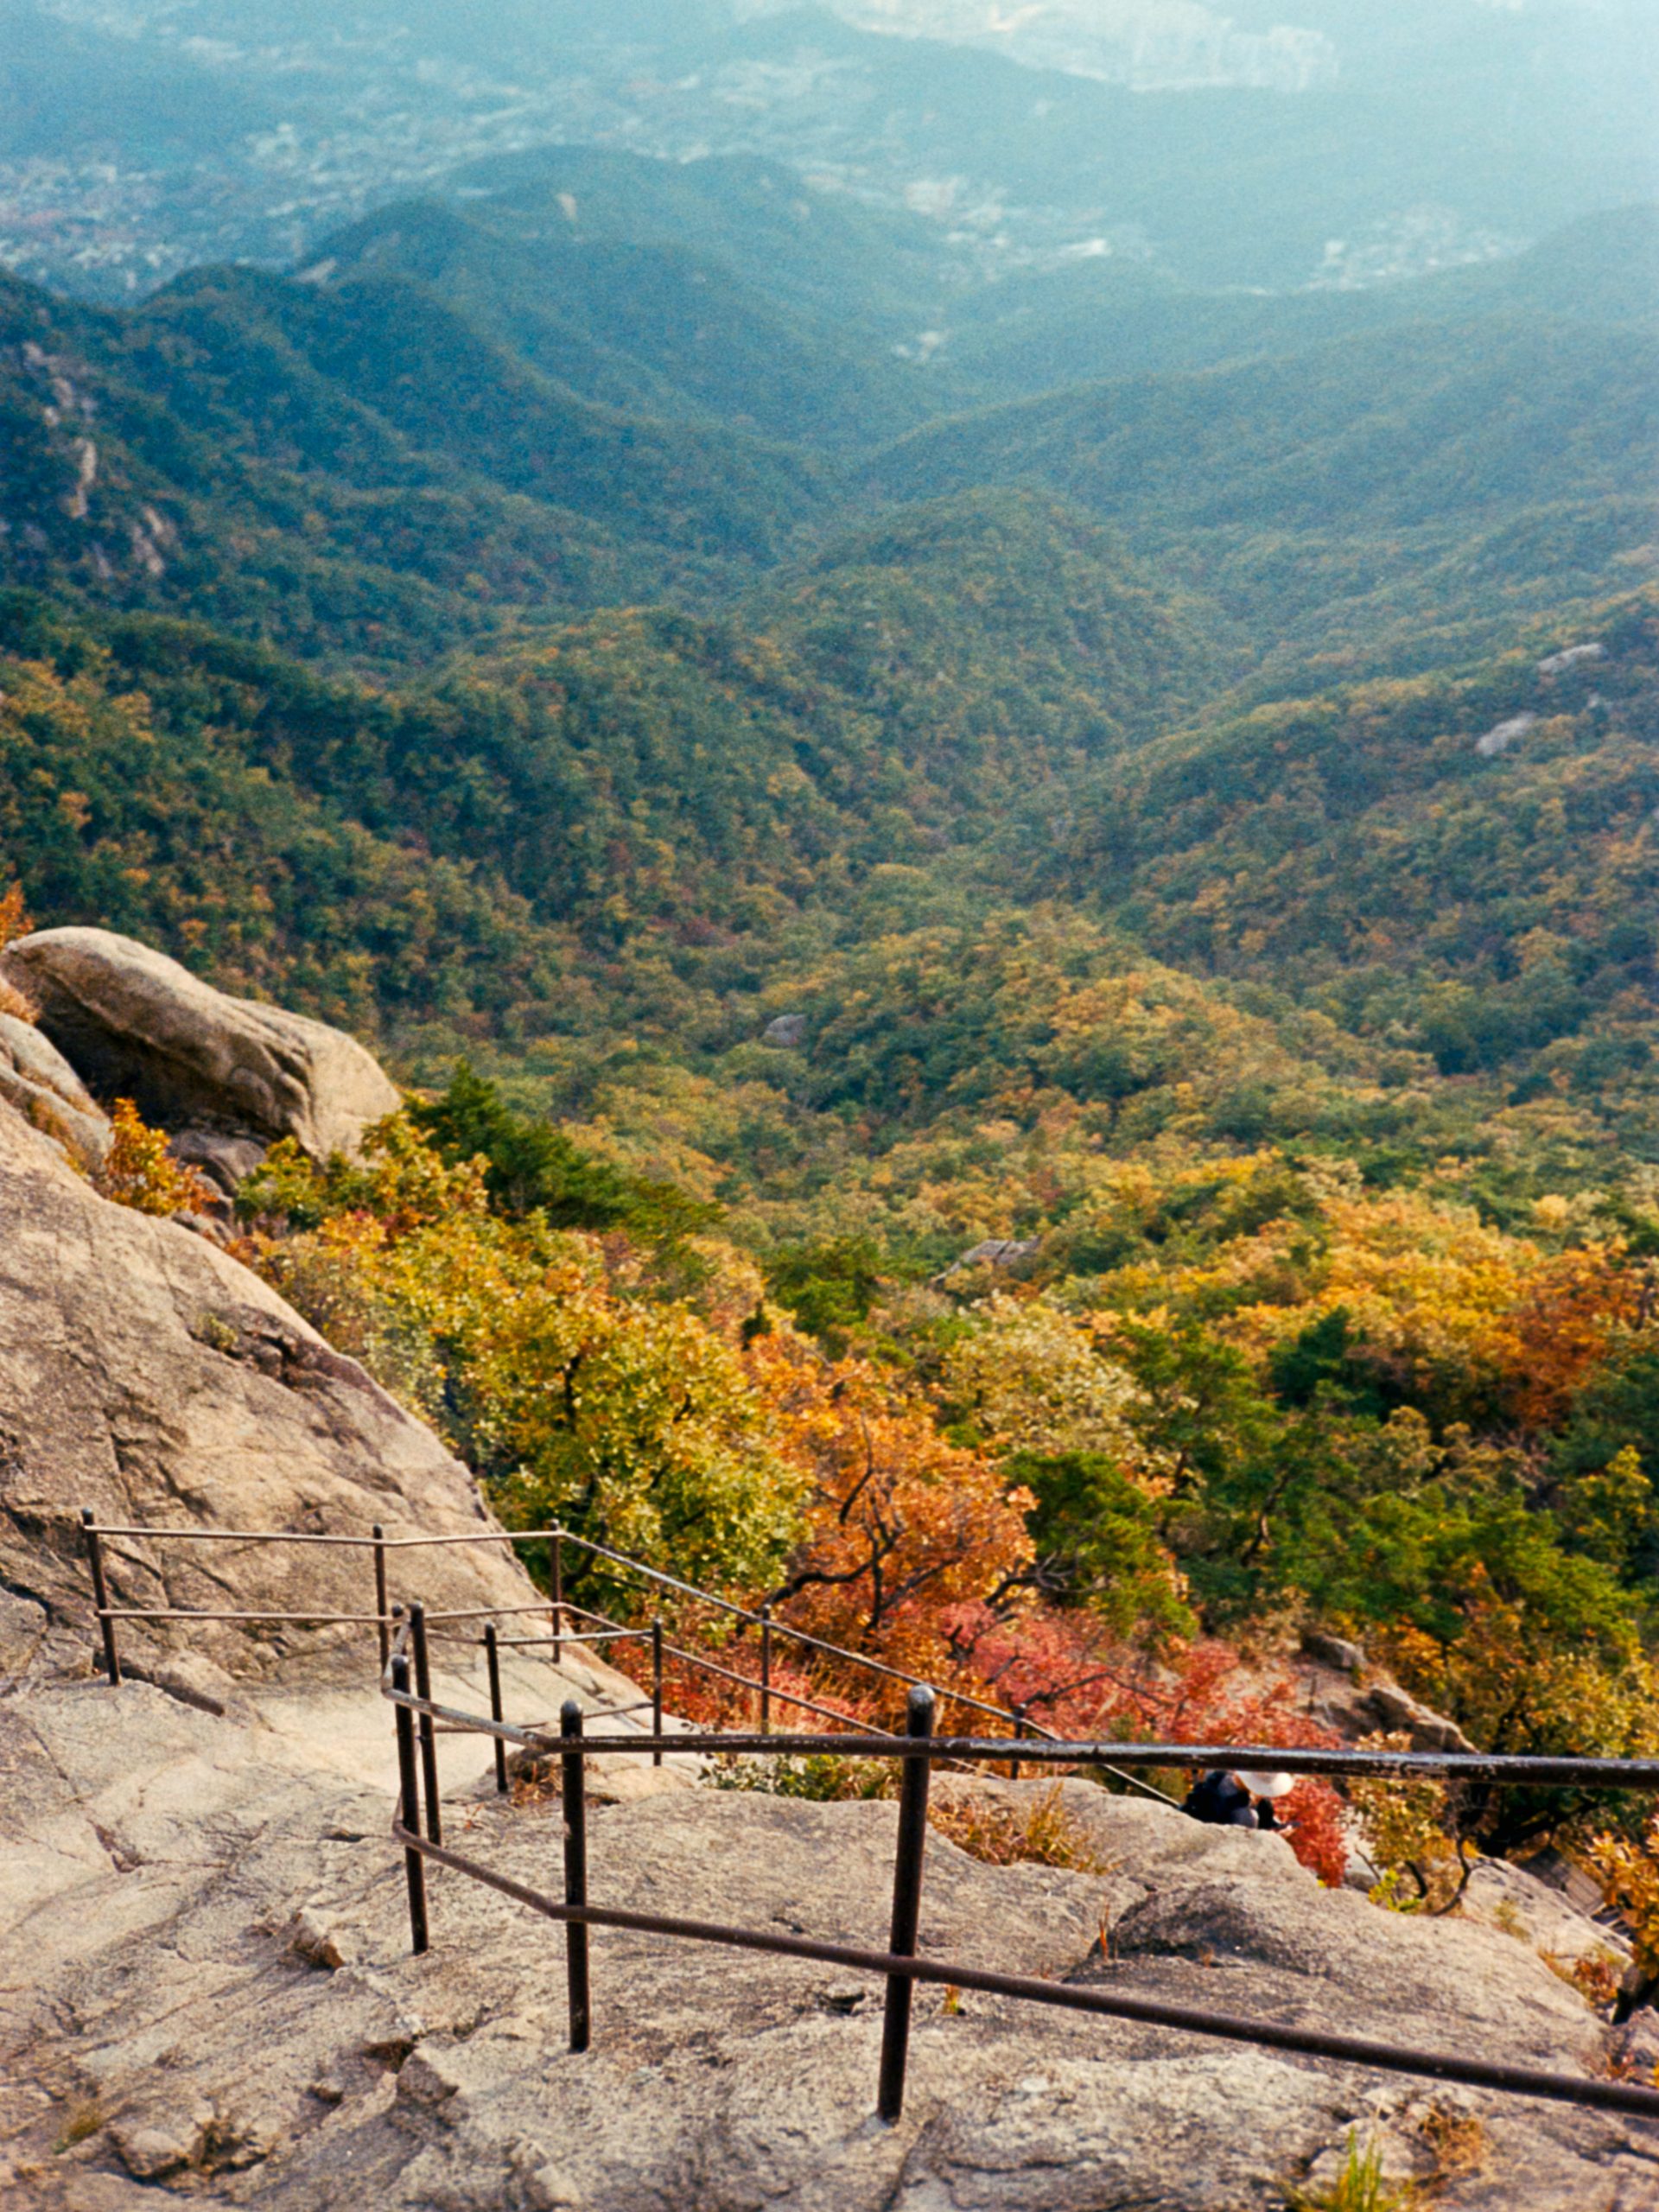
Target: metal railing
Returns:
[767, 1688]
[405, 1637]
[418, 1829]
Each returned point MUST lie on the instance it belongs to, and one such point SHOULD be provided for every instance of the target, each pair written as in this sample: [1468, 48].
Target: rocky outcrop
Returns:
[1574, 657]
[1357, 1699]
[1395, 1712]
[1503, 735]
[135, 1024]
[224, 1161]
[1516, 1900]
[206, 1986]
[146, 1375]
[1000, 1254]
[37, 1079]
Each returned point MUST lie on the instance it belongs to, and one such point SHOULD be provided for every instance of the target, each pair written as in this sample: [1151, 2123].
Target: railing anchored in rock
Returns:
[405, 1637]
[588, 1627]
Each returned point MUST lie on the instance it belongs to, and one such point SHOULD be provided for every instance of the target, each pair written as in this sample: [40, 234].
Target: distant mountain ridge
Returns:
[656, 328]
[459, 416]
[534, 686]
[1448, 131]
[1150, 44]
[1110, 317]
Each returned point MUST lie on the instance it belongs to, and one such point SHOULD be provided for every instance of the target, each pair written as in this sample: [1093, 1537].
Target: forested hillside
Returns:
[1381, 498]
[914, 690]
[1197, 824]
[1112, 317]
[356, 469]
[457, 417]
[1467, 862]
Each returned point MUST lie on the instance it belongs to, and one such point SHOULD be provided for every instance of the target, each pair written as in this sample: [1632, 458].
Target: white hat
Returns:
[1269, 1785]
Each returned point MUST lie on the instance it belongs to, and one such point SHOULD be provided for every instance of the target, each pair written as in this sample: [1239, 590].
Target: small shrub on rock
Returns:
[1360, 2187]
[1408, 1834]
[818, 1775]
[1042, 1834]
[139, 1171]
[13, 922]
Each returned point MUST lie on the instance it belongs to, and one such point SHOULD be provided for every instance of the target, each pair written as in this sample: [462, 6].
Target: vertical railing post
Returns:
[410, 1789]
[573, 1792]
[428, 1732]
[766, 1671]
[558, 1595]
[1019, 1732]
[101, 1595]
[907, 1905]
[380, 1605]
[492, 1656]
[657, 1688]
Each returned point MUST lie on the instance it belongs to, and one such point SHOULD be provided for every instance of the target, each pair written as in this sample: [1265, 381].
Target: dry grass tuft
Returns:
[1459, 2140]
[1044, 1834]
[533, 1781]
[80, 2122]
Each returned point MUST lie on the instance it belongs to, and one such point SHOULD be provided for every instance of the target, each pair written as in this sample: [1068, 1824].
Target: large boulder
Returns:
[146, 1375]
[135, 1024]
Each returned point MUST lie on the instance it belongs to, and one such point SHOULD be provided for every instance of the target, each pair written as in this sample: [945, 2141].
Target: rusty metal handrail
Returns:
[747, 1681]
[744, 1613]
[247, 1535]
[898, 1965]
[1565, 2088]
[418, 1717]
[196, 1613]
[595, 1550]
[1520, 1771]
[1024, 1729]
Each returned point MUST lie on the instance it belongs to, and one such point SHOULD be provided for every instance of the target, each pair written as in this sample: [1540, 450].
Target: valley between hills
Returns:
[1022, 971]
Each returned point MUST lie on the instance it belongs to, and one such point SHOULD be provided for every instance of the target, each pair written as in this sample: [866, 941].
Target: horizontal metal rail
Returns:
[458, 1722]
[1026, 1729]
[525, 1644]
[898, 1966]
[539, 1642]
[1228, 2027]
[253, 1536]
[1518, 1771]
[595, 1550]
[747, 1681]
[754, 1620]
[190, 1613]
[491, 1613]
[1041, 1747]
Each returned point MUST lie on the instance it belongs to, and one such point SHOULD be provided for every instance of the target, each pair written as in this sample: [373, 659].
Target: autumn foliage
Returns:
[1096, 1503]
[138, 1170]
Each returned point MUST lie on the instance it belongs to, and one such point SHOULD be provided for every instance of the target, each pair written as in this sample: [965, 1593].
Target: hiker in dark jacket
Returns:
[1237, 1800]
